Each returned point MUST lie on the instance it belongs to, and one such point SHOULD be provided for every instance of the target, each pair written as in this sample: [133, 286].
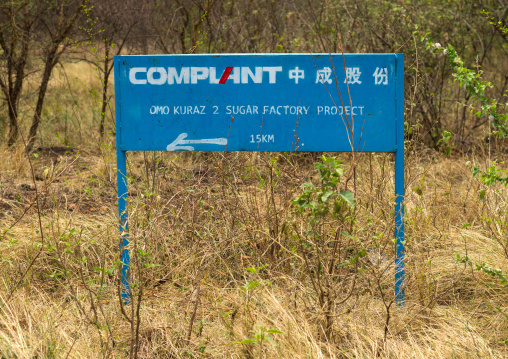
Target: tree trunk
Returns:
[52, 57]
[51, 61]
[12, 89]
[14, 129]
[106, 72]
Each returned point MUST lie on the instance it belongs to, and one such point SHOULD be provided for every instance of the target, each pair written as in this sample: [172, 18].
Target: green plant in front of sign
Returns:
[326, 243]
[317, 202]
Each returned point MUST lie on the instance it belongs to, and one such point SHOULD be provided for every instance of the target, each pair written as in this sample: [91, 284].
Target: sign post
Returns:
[261, 102]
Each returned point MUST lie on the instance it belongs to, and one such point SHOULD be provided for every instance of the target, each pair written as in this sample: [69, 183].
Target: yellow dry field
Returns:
[197, 221]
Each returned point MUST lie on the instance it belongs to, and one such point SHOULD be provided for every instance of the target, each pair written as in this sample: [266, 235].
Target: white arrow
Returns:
[174, 146]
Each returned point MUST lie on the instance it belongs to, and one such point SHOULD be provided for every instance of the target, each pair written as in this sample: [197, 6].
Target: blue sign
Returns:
[262, 102]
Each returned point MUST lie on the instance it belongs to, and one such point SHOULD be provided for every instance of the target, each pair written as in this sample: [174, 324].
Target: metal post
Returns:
[399, 227]
[121, 166]
[122, 211]
[399, 183]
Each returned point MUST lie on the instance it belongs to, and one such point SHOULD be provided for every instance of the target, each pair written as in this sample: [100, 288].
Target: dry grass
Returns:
[203, 219]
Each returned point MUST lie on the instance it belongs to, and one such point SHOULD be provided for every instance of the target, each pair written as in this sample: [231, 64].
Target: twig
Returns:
[193, 316]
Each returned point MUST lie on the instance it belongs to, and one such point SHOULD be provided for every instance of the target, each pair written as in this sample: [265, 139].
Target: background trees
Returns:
[37, 35]
[39, 29]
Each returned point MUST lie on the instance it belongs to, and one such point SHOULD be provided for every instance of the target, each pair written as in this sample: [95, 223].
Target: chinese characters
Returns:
[353, 75]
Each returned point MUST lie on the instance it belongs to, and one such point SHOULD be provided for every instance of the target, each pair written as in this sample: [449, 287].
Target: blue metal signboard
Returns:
[262, 102]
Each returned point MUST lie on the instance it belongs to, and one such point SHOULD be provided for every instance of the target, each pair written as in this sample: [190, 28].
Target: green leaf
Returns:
[327, 195]
[273, 331]
[251, 285]
[348, 235]
[333, 182]
[348, 197]
[246, 341]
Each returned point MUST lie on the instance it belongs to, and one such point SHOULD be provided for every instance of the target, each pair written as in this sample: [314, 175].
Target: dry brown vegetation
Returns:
[203, 219]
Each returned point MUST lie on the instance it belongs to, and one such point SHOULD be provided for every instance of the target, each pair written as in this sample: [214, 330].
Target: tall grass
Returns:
[198, 221]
